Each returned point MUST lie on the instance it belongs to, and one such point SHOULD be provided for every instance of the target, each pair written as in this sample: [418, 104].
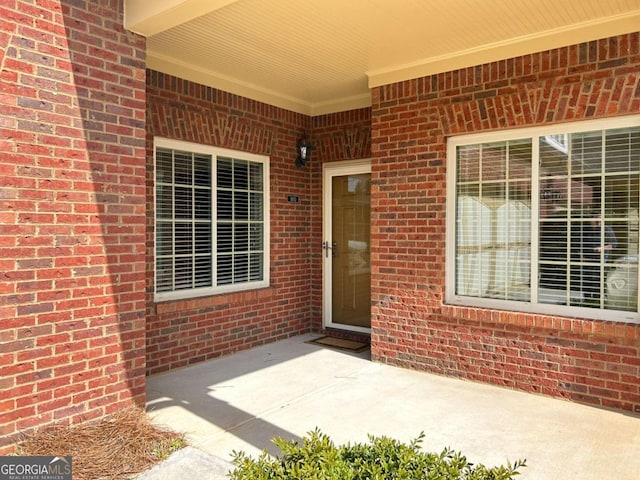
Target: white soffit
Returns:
[323, 56]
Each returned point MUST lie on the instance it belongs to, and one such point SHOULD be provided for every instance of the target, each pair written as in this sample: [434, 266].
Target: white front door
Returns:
[346, 245]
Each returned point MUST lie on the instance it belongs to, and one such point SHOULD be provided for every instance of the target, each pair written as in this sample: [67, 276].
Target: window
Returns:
[546, 220]
[211, 220]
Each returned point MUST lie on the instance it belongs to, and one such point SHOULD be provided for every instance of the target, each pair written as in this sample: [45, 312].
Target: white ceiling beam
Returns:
[148, 17]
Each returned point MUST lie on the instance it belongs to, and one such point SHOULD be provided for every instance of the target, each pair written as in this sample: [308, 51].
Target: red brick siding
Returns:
[184, 332]
[589, 361]
[337, 137]
[72, 214]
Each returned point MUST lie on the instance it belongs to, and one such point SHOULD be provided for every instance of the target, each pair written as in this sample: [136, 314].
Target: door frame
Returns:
[328, 171]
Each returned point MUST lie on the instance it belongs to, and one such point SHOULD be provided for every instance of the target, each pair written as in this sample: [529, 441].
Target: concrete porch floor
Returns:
[288, 388]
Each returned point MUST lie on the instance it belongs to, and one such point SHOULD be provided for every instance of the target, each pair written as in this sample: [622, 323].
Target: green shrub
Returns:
[381, 459]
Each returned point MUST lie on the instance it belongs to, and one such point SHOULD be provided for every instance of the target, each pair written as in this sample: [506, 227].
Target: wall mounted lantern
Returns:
[304, 148]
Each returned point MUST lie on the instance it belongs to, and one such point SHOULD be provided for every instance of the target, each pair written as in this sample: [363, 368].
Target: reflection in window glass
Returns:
[493, 215]
[586, 222]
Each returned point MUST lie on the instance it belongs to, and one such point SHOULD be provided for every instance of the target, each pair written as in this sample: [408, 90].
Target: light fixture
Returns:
[304, 148]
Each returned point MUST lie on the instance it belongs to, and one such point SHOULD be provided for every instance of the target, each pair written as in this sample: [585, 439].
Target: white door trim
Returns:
[330, 170]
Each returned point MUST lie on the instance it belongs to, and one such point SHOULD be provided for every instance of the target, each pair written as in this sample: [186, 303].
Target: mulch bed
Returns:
[117, 447]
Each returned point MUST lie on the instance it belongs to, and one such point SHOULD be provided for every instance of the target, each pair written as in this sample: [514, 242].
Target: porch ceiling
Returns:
[323, 56]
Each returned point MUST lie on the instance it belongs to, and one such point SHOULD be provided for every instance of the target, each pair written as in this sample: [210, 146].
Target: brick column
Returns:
[72, 214]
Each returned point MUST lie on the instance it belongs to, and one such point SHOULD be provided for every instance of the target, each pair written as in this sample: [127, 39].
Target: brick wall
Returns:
[588, 361]
[184, 332]
[72, 170]
[337, 137]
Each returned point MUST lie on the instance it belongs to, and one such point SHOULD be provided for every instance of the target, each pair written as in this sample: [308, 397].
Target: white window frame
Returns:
[451, 204]
[215, 152]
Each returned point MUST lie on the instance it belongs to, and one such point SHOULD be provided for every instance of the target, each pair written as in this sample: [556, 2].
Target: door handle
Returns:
[329, 246]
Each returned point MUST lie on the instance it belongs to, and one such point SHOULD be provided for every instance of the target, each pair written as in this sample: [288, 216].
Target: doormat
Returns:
[340, 343]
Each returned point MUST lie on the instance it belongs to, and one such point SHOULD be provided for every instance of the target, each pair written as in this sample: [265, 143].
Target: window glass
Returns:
[583, 221]
[587, 212]
[200, 249]
[240, 207]
[493, 220]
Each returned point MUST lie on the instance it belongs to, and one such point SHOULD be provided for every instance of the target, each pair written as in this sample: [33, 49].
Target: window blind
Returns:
[583, 219]
[183, 220]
